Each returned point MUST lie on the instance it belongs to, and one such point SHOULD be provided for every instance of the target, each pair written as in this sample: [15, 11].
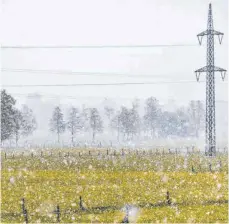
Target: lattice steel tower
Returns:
[210, 69]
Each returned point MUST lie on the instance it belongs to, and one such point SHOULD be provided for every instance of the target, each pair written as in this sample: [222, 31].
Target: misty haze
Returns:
[114, 111]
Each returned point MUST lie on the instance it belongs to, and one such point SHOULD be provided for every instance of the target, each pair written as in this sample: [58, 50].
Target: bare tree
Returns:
[85, 116]
[95, 122]
[151, 115]
[23, 123]
[116, 124]
[57, 124]
[196, 113]
[29, 123]
[168, 124]
[129, 122]
[109, 111]
[17, 125]
[75, 123]
[7, 114]
[135, 118]
[183, 122]
[125, 123]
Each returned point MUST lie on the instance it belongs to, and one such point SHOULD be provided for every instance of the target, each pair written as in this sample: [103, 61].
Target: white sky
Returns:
[120, 22]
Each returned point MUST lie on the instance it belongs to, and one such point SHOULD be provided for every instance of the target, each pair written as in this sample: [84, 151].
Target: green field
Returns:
[198, 191]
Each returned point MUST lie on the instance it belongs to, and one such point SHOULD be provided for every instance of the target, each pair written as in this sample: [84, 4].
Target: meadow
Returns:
[107, 181]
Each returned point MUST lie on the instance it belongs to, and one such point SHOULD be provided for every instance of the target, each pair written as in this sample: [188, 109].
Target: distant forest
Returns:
[125, 123]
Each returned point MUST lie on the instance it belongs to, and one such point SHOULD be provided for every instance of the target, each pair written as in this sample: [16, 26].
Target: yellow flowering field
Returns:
[197, 187]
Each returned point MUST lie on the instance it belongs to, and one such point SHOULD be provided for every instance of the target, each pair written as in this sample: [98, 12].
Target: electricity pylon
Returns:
[210, 69]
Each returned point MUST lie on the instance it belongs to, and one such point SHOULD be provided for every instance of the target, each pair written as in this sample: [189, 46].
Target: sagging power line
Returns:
[102, 84]
[85, 73]
[93, 46]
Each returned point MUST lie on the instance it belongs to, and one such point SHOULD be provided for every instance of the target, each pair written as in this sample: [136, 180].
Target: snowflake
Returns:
[12, 180]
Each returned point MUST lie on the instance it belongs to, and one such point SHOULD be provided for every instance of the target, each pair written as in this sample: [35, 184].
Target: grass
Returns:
[108, 183]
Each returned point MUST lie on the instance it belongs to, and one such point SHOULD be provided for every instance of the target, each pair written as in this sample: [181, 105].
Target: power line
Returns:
[103, 84]
[93, 46]
[83, 73]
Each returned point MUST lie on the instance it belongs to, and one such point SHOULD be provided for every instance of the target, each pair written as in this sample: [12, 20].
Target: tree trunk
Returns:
[58, 136]
[197, 133]
[16, 139]
[151, 133]
[93, 136]
[128, 136]
[72, 140]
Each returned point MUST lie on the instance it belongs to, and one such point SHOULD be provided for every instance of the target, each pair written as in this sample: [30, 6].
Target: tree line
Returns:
[125, 123]
[15, 123]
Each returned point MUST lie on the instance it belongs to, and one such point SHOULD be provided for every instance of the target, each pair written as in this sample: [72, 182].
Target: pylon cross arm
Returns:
[203, 69]
[218, 69]
[202, 33]
[217, 33]
[210, 32]
[200, 36]
[210, 68]
[222, 71]
[220, 35]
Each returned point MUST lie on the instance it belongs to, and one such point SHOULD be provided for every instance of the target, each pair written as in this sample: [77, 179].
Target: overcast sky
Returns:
[119, 22]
